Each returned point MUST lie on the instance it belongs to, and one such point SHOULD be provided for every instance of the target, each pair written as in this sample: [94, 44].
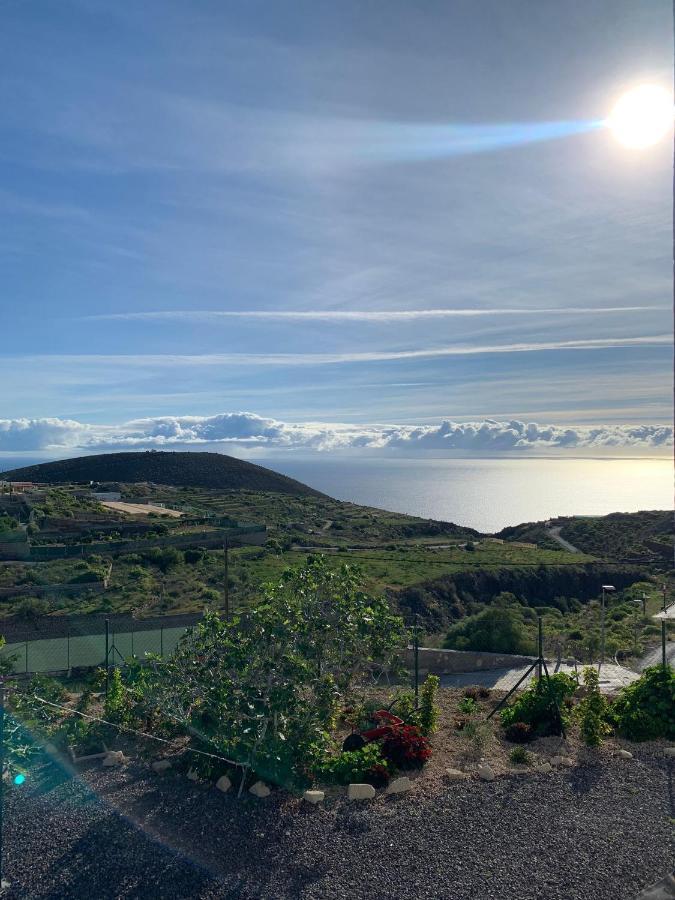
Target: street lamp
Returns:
[609, 588]
[643, 601]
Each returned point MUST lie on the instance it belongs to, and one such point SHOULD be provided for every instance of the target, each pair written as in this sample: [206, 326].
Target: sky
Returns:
[319, 226]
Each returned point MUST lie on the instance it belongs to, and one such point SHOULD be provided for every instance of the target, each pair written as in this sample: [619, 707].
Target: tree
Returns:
[497, 629]
[264, 689]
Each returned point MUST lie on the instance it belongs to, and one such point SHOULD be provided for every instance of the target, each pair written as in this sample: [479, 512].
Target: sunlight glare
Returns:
[642, 116]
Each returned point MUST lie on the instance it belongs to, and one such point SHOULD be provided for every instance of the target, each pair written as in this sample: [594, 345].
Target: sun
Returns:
[642, 116]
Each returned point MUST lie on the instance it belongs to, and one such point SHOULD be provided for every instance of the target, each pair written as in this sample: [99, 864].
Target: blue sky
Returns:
[180, 180]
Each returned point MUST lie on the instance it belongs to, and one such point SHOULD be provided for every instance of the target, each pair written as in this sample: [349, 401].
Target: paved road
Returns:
[612, 677]
[653, 657]
[555, 534]
[668, 614]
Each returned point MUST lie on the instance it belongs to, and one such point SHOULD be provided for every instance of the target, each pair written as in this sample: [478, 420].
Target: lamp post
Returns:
[606, 588]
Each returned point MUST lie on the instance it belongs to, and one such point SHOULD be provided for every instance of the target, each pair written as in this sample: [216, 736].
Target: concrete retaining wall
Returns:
[447, 662]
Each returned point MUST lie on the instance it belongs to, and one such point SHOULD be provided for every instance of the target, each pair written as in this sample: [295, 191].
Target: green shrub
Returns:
[32, 608]
[364, 766]
[48, 688]
[520, 757]
[592, 710]
[428, 711]
[468, 706]
[87, 577]
[537, 705]
[116, 702]
[495, 629]
[404, 708]
[165, 559]
[192, 557]
[645, 710]
[479, 736]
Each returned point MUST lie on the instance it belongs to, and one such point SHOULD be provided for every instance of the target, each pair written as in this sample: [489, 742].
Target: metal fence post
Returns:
[416, 648]
[161, 641]
[68, 650]
[107, 661]
[132, 638]
[26, 655]
[663, 643]
[540, 645]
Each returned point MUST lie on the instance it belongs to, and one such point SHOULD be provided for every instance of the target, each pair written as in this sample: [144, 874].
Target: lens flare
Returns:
[642, 116]
[408, 142]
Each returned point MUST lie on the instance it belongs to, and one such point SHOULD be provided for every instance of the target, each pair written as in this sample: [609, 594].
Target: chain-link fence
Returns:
[62, 654]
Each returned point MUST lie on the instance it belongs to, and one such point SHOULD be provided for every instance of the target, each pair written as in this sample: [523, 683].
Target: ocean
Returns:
[486, 494]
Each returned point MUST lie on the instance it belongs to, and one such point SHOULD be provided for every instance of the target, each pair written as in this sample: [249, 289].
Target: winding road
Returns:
[554, 532]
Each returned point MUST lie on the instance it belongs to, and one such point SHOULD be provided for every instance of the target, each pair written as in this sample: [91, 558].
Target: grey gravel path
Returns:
[596, 833]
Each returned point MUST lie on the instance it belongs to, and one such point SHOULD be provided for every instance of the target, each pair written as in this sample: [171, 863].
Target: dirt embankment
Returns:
[440, 601]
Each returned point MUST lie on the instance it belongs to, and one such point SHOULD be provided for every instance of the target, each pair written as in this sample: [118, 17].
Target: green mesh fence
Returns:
[60, 654]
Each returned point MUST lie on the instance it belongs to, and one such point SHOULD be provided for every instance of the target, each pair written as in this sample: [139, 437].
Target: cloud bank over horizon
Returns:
[252, 432]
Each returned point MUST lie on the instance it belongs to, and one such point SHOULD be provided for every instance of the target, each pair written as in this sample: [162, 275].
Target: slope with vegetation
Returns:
[451, 576]
[646, 536]
[211, 470]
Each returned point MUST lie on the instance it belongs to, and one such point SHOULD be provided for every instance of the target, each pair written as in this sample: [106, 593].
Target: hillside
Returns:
[623, 535]
[646, 536]
[205, 470]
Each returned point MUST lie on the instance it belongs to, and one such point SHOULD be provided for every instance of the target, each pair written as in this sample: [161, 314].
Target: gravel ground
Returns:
[592, 833]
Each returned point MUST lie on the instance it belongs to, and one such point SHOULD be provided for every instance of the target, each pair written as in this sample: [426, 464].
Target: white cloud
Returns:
[172, 360]
[252, 431]
[343, 315]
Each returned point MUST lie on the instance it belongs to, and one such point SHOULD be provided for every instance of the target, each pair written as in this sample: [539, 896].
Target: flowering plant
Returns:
[406, 748]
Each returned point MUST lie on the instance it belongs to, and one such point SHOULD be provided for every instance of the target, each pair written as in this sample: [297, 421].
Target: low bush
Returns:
[468, 706]
[406, 748]
[542, 706]
[404, 707]
[479, 736]
[365, 766]
[192, 557]
[518, 733]
[520, 757]
[645, 710]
